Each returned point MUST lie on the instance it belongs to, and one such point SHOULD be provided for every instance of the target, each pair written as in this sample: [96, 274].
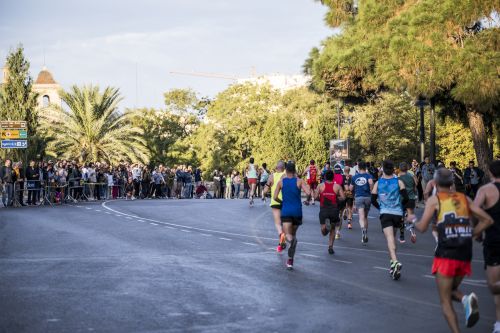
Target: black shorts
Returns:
[277, 206]
[389, 220]
[411, 204]
[295, 220]
[330, 214]
[262, 184]
[349, 202]
[491, 255]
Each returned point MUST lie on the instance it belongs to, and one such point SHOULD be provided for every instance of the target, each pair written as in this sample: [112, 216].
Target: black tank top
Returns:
[492, 234]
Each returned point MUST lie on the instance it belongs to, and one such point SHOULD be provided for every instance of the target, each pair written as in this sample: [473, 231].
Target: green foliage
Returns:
[454, 143]
[18, 102]
[92, 129]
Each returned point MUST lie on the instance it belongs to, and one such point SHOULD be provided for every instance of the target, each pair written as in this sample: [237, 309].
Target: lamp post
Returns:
[421, 103]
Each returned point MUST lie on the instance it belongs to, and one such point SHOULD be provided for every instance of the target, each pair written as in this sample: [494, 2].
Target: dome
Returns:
[45, 77]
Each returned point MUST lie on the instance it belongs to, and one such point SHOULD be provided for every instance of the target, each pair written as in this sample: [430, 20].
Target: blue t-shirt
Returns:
[389, 197]
[361, 185]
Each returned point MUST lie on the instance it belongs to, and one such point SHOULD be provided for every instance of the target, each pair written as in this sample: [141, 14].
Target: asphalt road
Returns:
[209, 266]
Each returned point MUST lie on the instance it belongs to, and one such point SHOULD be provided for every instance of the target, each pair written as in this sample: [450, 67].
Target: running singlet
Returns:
[453, 226]
[361, 185]
[328, 198]
[409, 182]
[312, 175]
[264, 176]
[252, 173]
[276, 178]
[338, 179]
[492, 234]
[389, 197]
[292, 206]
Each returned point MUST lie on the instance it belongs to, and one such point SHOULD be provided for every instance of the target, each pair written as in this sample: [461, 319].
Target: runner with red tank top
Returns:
[330, 196]
[339, 178]
[453, 255]
[488, 197]
[311, 173]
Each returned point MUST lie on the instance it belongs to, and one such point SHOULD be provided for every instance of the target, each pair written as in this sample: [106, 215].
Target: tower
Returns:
[47, 89]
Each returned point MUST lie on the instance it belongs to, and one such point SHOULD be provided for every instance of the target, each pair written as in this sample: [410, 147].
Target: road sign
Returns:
[14, 144]
[8, 134]
[8, 124]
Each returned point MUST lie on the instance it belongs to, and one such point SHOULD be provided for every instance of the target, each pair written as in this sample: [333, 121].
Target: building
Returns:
[45, 85]
[47, 89]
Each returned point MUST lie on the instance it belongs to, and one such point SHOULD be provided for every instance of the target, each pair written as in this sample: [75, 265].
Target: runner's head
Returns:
[264, 166]
[251, 160]
[329, 175]
[347, 170]
[403, 167]
[280, 166]
[361, 165]
[290, 167]
[388, 168]
[494, 169]
[443, 177]
[337, 169]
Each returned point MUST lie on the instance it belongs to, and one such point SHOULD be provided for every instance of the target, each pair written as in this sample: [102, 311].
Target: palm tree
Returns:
[92, 128]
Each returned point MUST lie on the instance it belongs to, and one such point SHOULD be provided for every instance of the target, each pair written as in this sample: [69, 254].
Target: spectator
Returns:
[7, 178]
[428, 170]
[473, 178]
[33, 182]
[458, 177]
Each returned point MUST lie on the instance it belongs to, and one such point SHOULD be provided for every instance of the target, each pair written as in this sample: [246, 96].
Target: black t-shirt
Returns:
[492, 234]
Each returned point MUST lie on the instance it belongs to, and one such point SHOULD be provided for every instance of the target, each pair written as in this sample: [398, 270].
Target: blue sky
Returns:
[100, 42]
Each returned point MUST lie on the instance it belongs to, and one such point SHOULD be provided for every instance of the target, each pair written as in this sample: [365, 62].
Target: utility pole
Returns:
[421, 103]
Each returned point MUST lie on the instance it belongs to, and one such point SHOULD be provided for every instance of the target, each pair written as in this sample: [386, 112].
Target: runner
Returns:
[362, 185]
[349, 199]
[488, 197]
[330, 195]
[410, 182]
[338, 178]
[291, 212]
[311, 174]
[392, 195]
[252, 179]
[264, 176]
[453, 254]
[272, 182]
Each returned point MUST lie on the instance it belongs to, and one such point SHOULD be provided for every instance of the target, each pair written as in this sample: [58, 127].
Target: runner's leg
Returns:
[493, 277]
[445, 287]
[391, 243]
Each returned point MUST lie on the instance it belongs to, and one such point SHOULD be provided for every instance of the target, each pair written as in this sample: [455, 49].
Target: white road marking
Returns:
[88, 208]
[79, 206]
[176, 314]
[153, 223]
[464, 281]
[309, 255]
[108, 213]
[140, 221]
[202, 313]
[166, 226]
[53, 320]
[185, 230]
[206, 235]
[118, 215]
[97, 210]
[252, 244]
[128, 217]
[226, 239]
[382, 268]
[342, 261]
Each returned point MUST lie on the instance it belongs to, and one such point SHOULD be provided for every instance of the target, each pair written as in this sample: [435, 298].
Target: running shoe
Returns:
[289, 264]
[413, 235]
[364, 237]
[337, 235]
[251, 202]
[402, 238]
[279, 248]
[395, 270]
[330, 250]
[471, 308]
[349, 225]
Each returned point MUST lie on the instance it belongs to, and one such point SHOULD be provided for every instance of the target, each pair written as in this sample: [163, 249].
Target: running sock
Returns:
[497, 326]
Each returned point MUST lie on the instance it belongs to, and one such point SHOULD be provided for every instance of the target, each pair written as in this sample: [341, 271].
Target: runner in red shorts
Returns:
[311, 174]
[453, 255]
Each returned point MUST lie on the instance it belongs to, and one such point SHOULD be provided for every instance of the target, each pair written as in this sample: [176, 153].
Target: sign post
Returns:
[14, 134]
[339, 150]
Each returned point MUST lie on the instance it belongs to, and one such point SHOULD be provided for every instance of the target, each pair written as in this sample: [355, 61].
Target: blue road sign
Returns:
[14, 144]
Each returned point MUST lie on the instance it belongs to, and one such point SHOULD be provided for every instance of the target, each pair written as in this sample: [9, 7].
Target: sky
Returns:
[110, 43]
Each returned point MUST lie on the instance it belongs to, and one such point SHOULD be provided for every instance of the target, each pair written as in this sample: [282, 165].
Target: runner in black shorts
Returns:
[329, 195]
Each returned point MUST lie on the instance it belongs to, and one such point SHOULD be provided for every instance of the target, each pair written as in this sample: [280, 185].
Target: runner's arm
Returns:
[427, 191]
[480, 199]
[340, 192]
[370, 182]
[319, 190]
[268, 185]
[484, 219]
[375, 196]
[305, 187]
[430, 208]
[277, 191]
[403, 192]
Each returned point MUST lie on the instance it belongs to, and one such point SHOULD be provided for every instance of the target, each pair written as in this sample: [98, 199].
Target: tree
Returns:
[18, 101]
[92, 128]
[423, 47]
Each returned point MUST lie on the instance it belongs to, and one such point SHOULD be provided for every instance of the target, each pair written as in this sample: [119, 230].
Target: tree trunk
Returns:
[479, 138]
[432, 135]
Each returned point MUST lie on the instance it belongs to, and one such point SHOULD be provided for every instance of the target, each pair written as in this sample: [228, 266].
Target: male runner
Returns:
[488, 197]
[349, 198]
[362, 185]
[272, 182]
[392, 195]
[252, 178]
[311, 173]
[330, 195]
[291, 212]
[338, 178]
[410, 182]
[452, 259]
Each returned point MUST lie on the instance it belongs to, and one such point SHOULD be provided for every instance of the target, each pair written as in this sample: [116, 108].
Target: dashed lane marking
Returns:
[226, 239]
[154, 223]
[185, 230]
[309, 255]
[381, 268]
[206, 235]
[252, 244]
